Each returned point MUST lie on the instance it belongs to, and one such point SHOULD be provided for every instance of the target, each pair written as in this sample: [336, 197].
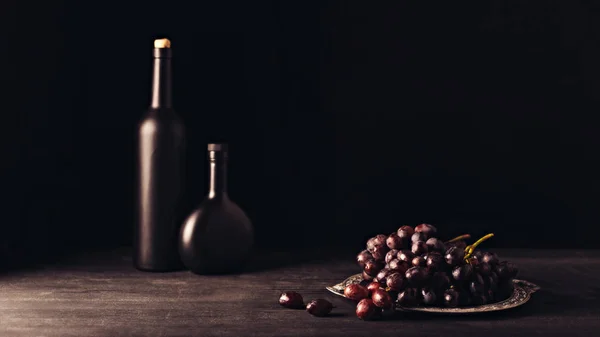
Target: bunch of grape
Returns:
[412, 267]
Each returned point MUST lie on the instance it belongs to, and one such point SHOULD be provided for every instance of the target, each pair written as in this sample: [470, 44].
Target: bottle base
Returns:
[158, 269]
[214, 271]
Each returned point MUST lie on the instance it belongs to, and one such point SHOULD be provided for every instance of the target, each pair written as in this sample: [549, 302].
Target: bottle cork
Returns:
[162, 43]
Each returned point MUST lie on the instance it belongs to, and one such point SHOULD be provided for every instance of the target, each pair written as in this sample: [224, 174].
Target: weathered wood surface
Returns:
[102, 295]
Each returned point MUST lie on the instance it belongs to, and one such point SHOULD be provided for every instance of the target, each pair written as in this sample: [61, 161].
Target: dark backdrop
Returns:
[344, 118]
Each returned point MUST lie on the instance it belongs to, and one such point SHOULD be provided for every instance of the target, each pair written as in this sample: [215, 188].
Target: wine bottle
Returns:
[160, 173]
[217, 237]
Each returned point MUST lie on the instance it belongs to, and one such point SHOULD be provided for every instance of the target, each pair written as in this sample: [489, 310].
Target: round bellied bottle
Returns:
[217, 237]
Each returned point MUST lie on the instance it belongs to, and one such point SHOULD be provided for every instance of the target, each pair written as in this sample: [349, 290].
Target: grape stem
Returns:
[471, 248]
[458, 238]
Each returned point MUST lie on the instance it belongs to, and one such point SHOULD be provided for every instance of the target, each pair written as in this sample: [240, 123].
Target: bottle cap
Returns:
[217, 147]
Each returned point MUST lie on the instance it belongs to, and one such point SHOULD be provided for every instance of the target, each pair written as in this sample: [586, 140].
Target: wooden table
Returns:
[102, 295]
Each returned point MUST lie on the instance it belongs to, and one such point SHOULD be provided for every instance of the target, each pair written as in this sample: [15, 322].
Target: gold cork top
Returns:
[162, 43]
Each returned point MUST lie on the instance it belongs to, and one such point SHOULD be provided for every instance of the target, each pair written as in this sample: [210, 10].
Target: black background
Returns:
[344, 119]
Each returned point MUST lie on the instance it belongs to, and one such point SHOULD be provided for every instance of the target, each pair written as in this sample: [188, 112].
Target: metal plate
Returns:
[521, 294]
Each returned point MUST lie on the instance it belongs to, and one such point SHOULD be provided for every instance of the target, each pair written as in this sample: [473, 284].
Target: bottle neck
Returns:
[161, 79]
[218, 175]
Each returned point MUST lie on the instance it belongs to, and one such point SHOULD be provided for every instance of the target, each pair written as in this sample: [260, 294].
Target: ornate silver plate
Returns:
[521, 294]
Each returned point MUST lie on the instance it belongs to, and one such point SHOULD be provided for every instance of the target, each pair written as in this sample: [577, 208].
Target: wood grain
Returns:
[103, 295]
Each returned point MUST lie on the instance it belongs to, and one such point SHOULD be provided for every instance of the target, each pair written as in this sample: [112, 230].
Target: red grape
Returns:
[382, 275]
[397, 265]
[427, 229]
[416, 275]
[392, 254]
[454, 256]
[319, 307]
[394, 242]
[418, 261]
[405, 232]
[382, 299]
[395, 281]
[434, 245]
[292, 300]
[409, 297]
[490, 258]
[405, 256]
[363, 257]
[373, 286]
[367, 310]
[379, 252]
[419, 248]
[356, 292]
[372, 267]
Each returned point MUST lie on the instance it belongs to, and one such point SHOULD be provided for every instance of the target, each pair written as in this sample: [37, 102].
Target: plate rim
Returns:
[522, 288]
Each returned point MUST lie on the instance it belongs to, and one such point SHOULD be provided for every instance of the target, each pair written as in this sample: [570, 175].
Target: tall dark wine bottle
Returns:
[217, 237]
[160, 173]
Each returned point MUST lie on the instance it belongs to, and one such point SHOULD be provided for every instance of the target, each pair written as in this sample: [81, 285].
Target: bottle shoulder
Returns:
[154, 122]
[221, 208]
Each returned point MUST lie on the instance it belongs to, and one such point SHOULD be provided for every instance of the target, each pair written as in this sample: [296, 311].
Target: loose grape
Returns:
[292, 300]
[319, 307]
